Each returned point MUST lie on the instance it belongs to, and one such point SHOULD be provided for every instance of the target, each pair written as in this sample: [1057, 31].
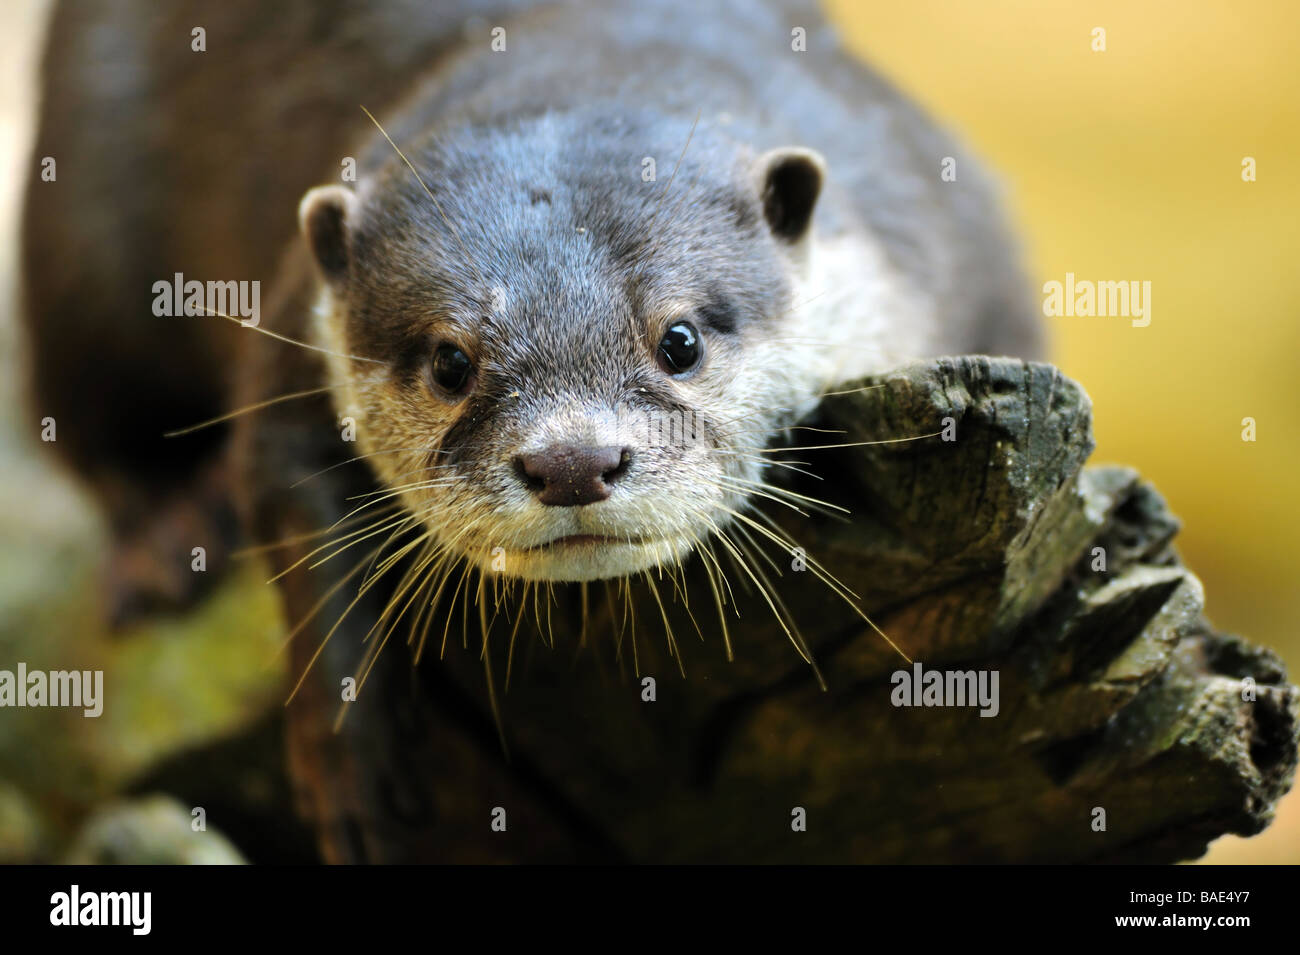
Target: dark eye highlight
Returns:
[451, 369]
[680, 349]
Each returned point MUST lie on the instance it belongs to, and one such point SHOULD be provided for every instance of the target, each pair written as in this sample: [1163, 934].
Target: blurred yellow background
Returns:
[1126, 165]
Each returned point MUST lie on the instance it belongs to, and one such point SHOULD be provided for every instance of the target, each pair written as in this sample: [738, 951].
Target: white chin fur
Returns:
[584, 561]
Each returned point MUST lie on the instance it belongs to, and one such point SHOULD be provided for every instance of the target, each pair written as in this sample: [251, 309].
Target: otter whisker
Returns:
[370, 530]
[614, 618]
[361, 592]
[673, 651]
[753, 547]
[756, 576]
[502, 594]
[757, 489]
[514, 632]
[316, 607]
[398, 489]
[726, 422]
[780, 494]
[537, 612]
[257, 406]
[582, 632]
[853, 444]
[493, 703]
[669, 185]
[851, 391]
[405, 519]
[432, 578]
[255, 549]
[708, 564]
[441, 572]
[706, 549]
[412, 576]
[290, 341]
[432, 198]
[629, 622]
[753, 456]
[464, 609]
[768, 462]
[446, 628]
[353, 460]
[837, 587]
[769, 430]
[358, 509]
[774, 603]
[677, 575]
[444, 570]
[550, 629]
[425, 470]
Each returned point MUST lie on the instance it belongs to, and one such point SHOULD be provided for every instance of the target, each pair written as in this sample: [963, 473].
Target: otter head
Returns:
[566, 367]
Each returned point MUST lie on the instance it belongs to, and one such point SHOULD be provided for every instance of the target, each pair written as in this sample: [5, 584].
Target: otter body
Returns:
[564, 217]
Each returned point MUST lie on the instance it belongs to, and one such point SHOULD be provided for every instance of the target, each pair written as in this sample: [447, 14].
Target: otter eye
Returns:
[451, 368]
[680, 348]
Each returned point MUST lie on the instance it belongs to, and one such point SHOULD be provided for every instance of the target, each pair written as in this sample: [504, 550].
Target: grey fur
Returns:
[542, 251]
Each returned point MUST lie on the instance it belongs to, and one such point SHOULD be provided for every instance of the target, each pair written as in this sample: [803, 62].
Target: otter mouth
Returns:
[585, 540]
[584, 557]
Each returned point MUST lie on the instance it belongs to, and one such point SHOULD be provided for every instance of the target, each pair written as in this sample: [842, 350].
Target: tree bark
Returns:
[1126, 727]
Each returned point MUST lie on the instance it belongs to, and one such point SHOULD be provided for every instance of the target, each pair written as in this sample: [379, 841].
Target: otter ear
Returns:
[790, 179]
[323, 218]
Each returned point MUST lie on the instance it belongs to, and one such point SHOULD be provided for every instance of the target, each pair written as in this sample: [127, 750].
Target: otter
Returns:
[499, 244]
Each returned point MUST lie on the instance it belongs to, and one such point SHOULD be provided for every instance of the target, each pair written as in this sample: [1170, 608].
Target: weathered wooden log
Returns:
[1126, 727]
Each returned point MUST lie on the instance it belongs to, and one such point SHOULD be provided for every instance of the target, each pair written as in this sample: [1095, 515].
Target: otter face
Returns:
[565, 369]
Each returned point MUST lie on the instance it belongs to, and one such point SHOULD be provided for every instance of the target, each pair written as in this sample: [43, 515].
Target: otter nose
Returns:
[566, 475]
